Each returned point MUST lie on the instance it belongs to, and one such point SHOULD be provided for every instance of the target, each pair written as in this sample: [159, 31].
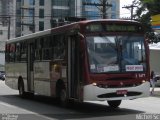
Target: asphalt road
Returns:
[12, 107]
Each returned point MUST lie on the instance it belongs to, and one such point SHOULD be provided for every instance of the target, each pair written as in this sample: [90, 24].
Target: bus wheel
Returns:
[114, 103]
[21, 90]
[63, 98]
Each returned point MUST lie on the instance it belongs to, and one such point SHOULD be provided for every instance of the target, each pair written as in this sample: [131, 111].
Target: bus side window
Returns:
[17, 52]
[23, 51]
[12, 52]
[46, 48]
[59, 47]
[7, 56]
[38, 49]
[50, 47]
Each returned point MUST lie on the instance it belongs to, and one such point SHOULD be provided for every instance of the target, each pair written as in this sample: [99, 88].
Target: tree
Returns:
[142, 14]
[145, 9]
[152, 6]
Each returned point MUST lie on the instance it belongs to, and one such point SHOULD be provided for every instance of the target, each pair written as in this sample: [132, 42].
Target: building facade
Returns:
[22, 17]
[7, 25]
[29, 16]
[96, 9]
[38, 15]
[7, 16]
[33, 16]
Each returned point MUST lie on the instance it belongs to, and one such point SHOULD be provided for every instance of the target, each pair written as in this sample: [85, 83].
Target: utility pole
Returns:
[104, 4]
[131, 7]
[9, 26]
[6, 20]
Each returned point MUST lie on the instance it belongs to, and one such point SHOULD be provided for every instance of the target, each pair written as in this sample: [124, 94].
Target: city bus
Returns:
[91, 60]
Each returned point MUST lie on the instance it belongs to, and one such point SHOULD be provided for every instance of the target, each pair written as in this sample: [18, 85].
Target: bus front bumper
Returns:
[95, 93]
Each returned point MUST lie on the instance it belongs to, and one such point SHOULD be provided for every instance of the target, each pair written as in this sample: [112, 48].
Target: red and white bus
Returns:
[92, 60]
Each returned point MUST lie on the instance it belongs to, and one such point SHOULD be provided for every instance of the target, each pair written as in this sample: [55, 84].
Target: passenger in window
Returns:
[55, 72]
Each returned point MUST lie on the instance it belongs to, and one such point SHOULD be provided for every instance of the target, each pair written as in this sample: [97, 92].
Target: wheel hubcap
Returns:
[63, 95]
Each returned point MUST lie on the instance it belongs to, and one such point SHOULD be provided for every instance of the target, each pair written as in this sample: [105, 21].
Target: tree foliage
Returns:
[152, 6]
[146, 9]
[142, 13]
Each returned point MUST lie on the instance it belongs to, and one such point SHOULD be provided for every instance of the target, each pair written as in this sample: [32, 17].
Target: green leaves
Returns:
[147, 1]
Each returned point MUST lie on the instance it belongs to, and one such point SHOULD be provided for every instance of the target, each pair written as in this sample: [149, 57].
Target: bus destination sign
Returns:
[113, 28]
[121, 28]
[94, 28]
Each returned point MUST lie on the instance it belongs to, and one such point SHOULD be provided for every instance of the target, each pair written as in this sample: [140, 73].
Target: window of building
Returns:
[60, 2]
[41, 25]
[113, 6]
[113, 16]
[22, 2]
[31, 2]
[1, 32]
[41, 2]
[41, 13]
[59, 12]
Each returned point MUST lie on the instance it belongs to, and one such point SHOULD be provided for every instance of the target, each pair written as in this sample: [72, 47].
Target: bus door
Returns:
[73, 67]
[30, 63]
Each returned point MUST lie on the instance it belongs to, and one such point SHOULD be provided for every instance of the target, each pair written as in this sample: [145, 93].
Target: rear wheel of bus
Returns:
[114, 103]
[61, 93]
[63, 98]
[22, 93]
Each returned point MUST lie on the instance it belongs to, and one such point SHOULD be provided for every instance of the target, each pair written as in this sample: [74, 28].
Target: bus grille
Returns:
[110, 95]
[118, 86]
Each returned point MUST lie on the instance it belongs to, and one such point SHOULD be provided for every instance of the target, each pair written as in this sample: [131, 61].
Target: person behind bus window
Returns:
[152, 81]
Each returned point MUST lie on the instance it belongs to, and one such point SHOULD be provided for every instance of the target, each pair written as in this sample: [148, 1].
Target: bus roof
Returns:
[107, 20]
[29, 36]
[67, 27]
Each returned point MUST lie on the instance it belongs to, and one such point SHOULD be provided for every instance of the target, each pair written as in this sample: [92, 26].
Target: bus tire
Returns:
[114, 103]
[63, 98]
[29, 95]
[22, 93]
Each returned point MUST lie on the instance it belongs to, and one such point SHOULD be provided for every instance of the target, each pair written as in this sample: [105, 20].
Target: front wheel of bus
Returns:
[114, 103]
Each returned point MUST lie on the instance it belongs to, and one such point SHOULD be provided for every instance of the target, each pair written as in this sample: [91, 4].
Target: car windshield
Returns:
[116, 53]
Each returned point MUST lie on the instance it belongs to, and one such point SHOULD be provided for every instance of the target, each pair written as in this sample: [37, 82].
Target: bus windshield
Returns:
[124, 53]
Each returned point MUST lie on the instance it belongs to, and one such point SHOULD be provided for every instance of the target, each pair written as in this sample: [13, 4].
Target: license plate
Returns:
[121, 92]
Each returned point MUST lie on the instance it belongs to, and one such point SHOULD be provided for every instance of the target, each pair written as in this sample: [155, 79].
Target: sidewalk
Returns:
[156, 92]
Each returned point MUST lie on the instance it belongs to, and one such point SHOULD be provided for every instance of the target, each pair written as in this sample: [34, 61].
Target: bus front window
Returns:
[103, 55]
[132, 53]
[116, 54]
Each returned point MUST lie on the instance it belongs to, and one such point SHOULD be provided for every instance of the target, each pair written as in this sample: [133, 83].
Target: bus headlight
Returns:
[94, 84]
[143, 81]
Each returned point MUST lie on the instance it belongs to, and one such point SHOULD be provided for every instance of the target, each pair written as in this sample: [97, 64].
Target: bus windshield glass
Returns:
[116, 54]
